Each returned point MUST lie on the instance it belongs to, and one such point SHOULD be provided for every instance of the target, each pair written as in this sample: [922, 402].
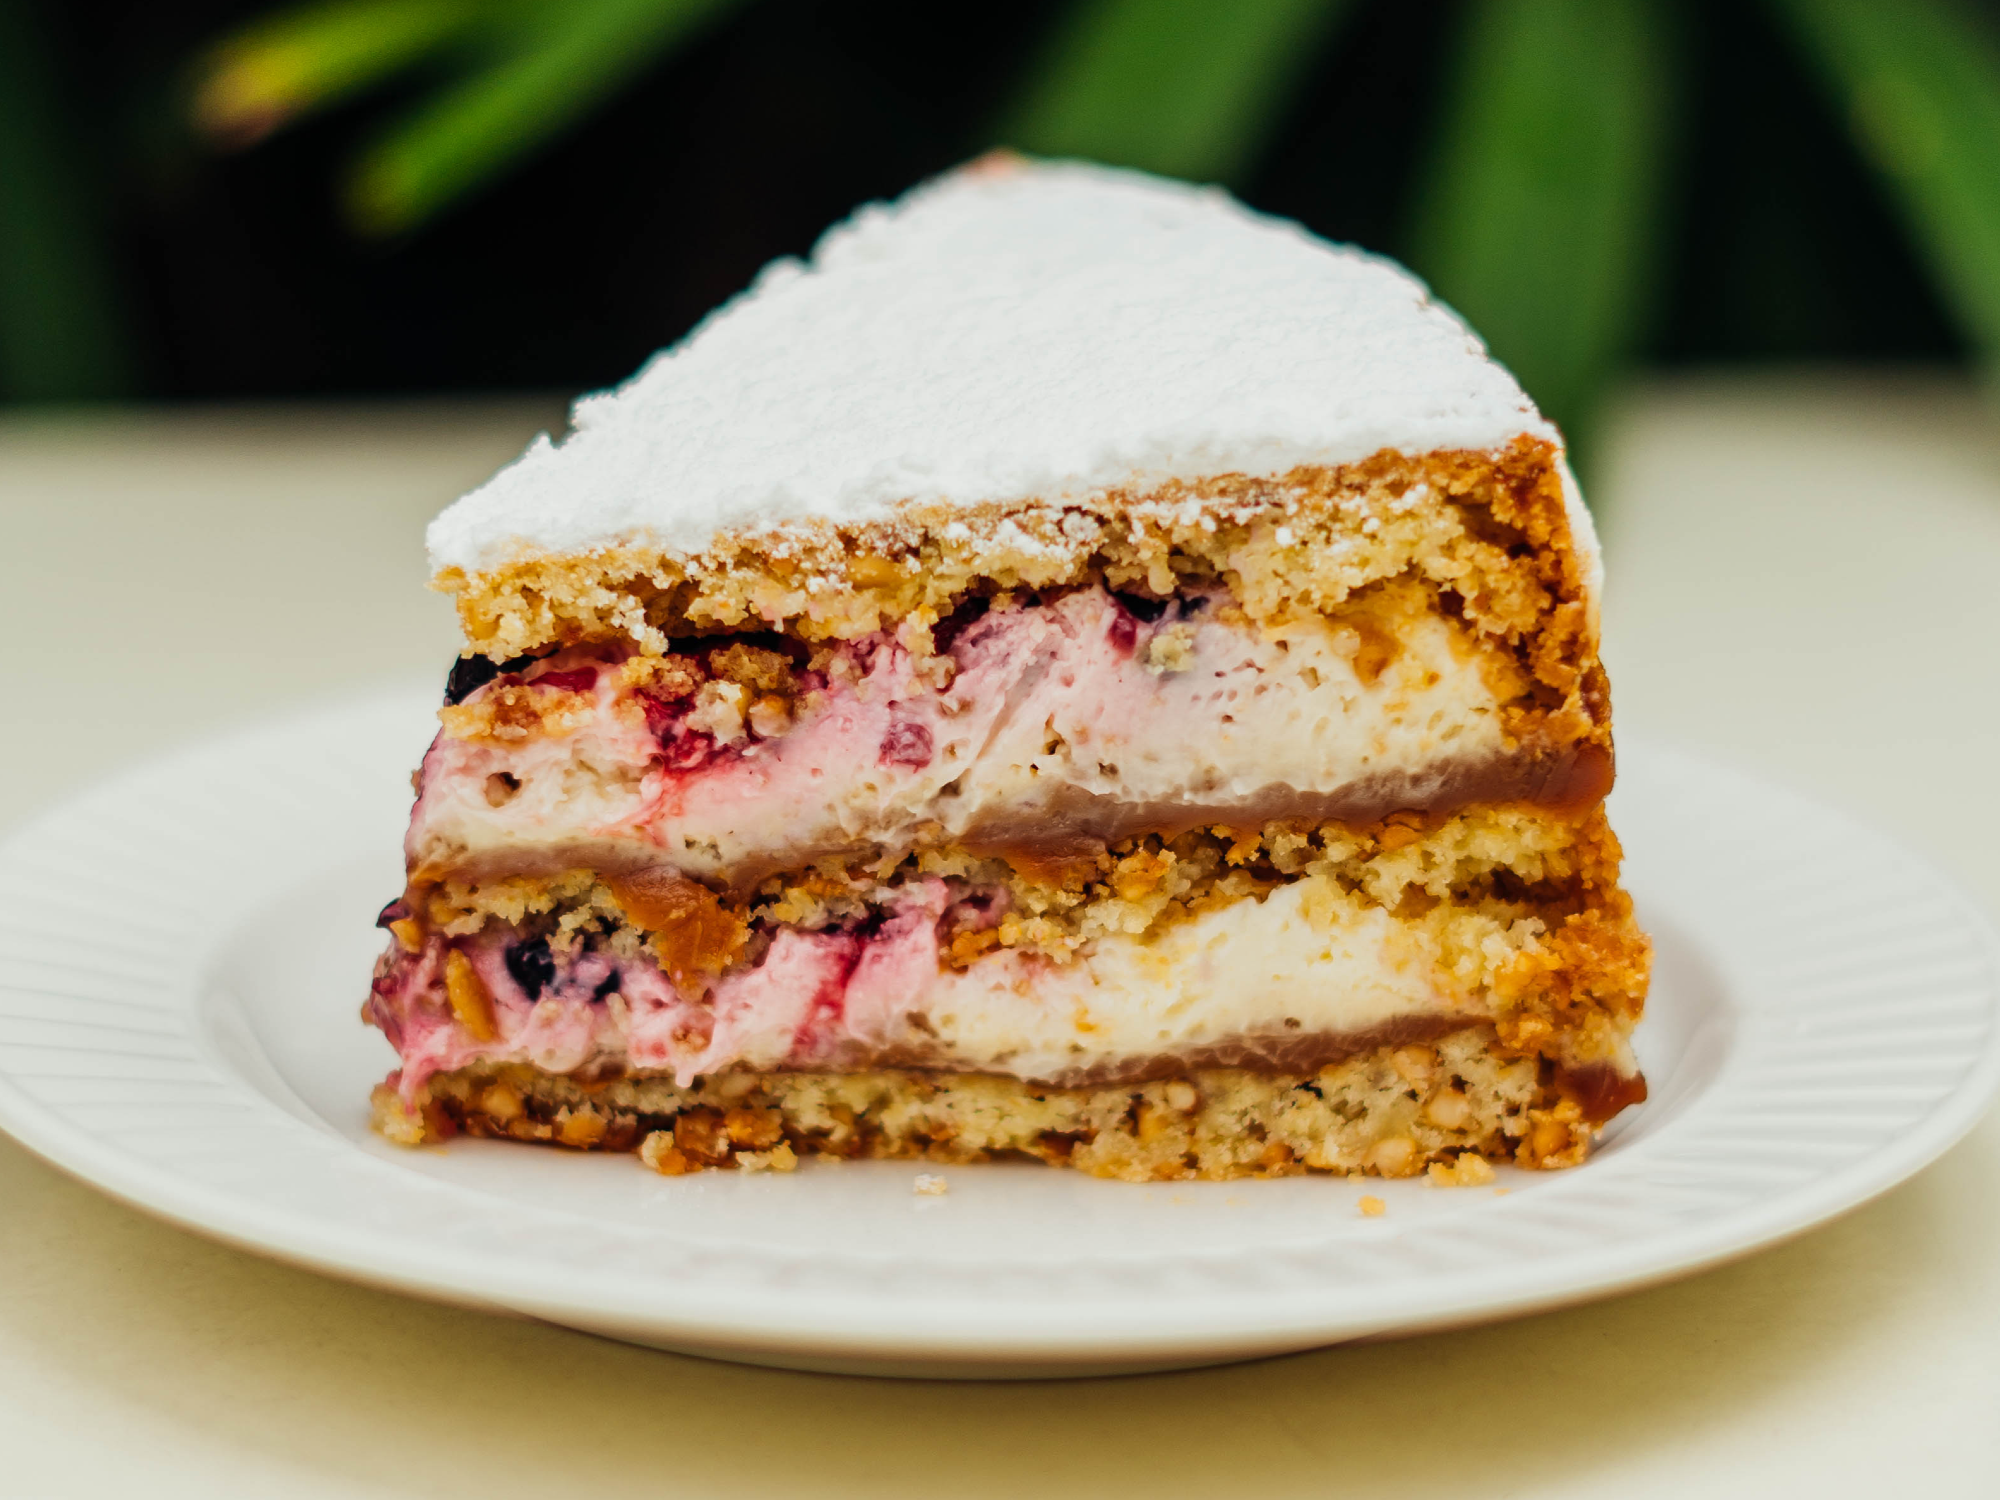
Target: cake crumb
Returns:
[1472, 1171]
[1171, 650]
[1372, 1207]
[718, 710]
[396, 1120]
[659, 1152]
[1467, 1171]
[930, 1185]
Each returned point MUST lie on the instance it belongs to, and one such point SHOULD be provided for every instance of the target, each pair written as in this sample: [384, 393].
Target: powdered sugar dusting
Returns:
[1040, 330]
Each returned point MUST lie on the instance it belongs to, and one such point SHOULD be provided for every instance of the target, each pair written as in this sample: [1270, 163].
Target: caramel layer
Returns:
[1287, 1052]
[1599, 1088]
[1568, 781]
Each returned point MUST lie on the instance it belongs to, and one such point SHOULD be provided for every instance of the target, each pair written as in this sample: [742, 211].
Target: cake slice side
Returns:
[1210, 822]
[1239, 817]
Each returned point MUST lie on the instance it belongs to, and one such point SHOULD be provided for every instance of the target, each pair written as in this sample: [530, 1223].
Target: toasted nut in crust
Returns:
[700, 1135]
[659, 1152]
[758, 1129]
[1396, 1157]
[692, 933]
[1448, 1109]
[470, 1001]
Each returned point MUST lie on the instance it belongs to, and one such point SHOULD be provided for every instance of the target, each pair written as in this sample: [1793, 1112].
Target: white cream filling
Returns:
[1305, 960]
[1048, 706]
[1299, 962]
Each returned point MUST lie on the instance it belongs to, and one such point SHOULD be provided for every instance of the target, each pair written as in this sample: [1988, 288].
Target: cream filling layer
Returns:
[1052, 709]
[1306, 959]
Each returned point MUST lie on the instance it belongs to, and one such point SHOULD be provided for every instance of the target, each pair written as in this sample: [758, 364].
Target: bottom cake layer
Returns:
[1396, 1111]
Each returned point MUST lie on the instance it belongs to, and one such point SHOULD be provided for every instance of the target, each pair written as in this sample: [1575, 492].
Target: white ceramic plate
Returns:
[183, 952]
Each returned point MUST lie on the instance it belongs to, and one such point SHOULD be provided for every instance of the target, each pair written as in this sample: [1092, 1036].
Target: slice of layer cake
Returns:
[1077, 670]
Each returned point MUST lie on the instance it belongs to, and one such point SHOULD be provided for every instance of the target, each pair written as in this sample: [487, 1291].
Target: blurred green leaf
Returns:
[1534, 221]
[1184, 87]
[60, 333]
[565, 57]
[301, 60]
[1920, 80]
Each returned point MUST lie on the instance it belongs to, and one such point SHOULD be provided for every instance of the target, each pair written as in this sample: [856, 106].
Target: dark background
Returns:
[240, 280]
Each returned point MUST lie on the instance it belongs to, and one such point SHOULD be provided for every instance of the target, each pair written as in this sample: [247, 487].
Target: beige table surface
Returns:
[1803, 580]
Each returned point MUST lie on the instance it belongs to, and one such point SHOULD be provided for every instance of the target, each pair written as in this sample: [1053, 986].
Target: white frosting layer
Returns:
[1006, 332]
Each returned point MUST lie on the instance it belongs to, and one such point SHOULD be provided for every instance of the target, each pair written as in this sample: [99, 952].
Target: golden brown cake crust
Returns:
[1396, 1111]
[1490, 531]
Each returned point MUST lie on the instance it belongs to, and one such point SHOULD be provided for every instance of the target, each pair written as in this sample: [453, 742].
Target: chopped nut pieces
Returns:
[699, 1136]
[718, 711]
[666, 679]
[1395, 1157]
[513, 712]
[659, 1152]
[758, 1129]
[770, 716]
[754, 668]
[469, 999]
[692, 932]
[1171, 650]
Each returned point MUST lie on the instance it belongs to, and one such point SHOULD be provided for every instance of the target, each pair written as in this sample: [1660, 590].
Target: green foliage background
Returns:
[1536, 214]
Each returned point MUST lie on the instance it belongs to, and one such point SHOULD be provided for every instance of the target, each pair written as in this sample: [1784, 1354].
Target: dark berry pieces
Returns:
[790, 647]
[906, 744]
[1146, 609]
[471, 673]
[661, 717]
[687, 752]
[468, 675]
[952, 626]
[580, 680]
[532, 966]
[395, 911]
[607, 987]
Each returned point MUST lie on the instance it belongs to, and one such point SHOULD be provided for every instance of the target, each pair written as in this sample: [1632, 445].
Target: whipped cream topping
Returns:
[1013, 330]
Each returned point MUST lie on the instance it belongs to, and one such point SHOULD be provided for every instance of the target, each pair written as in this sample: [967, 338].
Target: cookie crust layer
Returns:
[1498, 530]
[1396, 1111]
